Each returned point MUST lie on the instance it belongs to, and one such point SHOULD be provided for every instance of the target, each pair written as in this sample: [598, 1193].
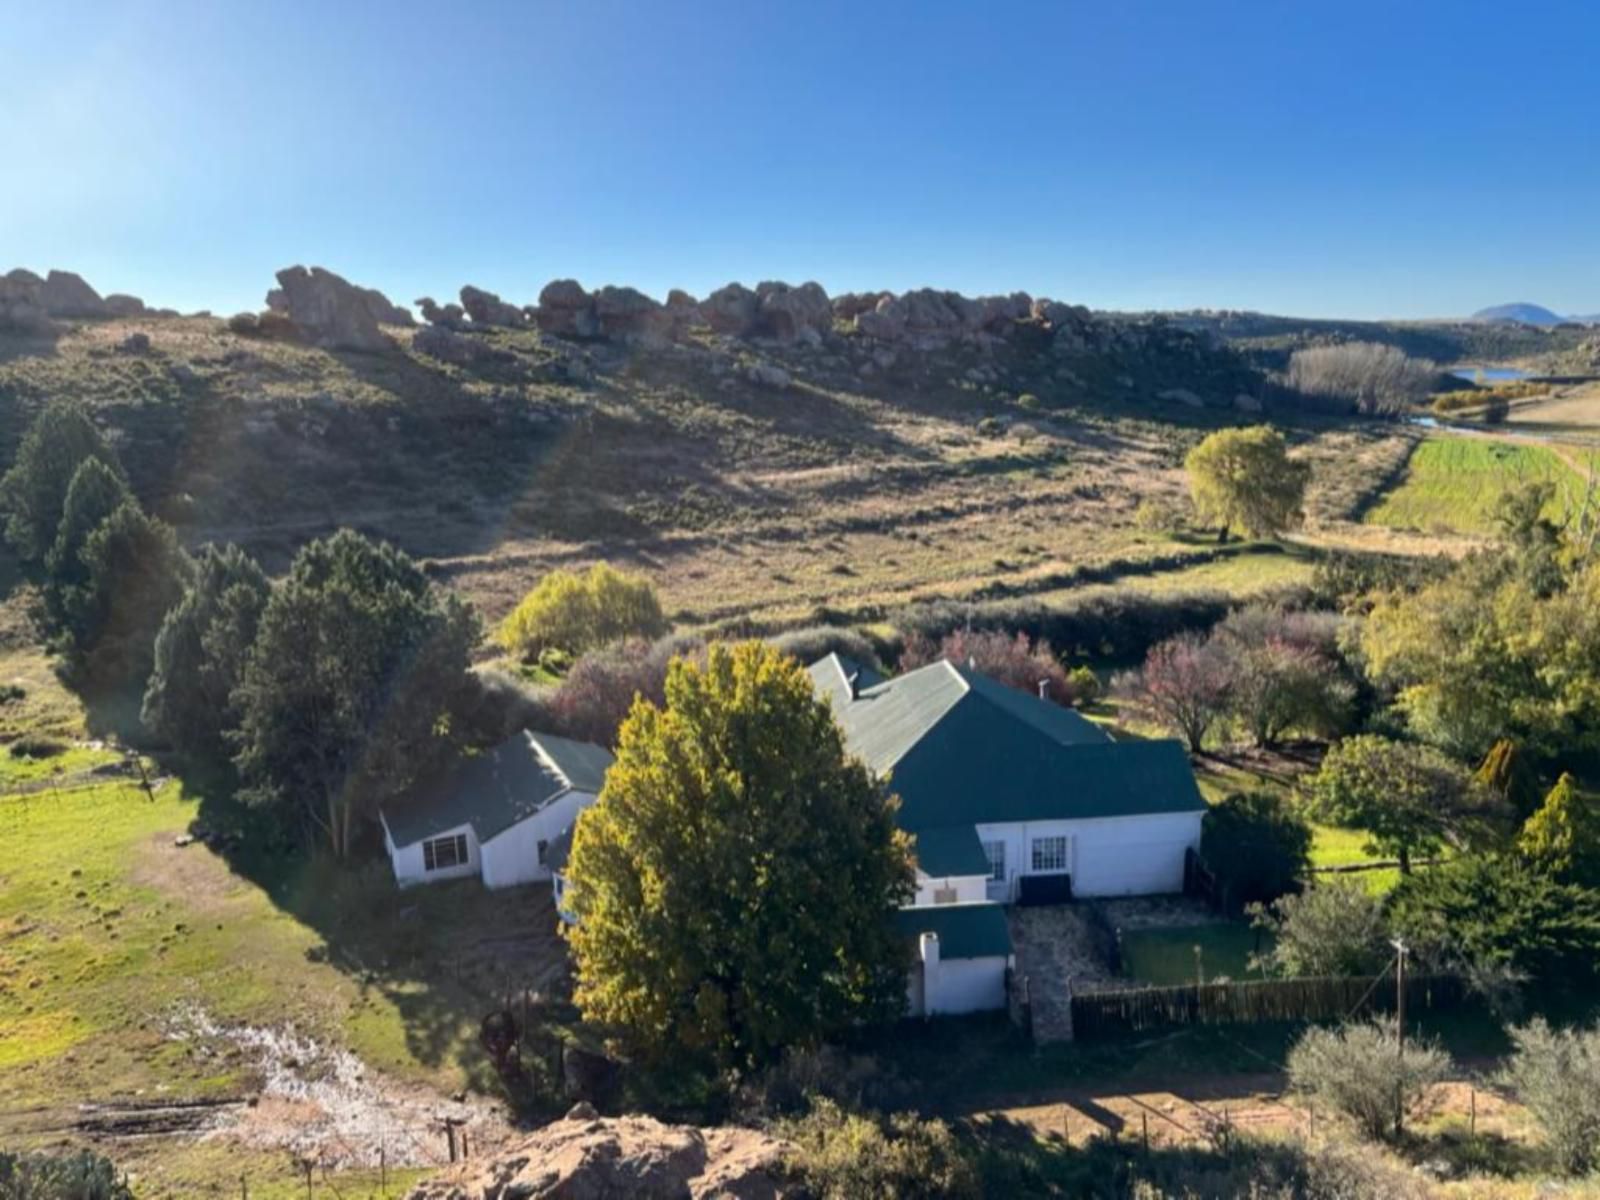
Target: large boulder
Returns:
[485, 308]
[566, 310]
[625, 313]
[850, 305]
[446, 316]
[731, 310]
[329, 310]
[64, 294]
[790, 314]
[583, 1157]
[924, 317]
[21, 305]
[384, 311]
[119, 304]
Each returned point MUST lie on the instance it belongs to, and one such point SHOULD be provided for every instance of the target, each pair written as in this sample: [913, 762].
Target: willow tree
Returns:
[736, 882]
[1245, 479]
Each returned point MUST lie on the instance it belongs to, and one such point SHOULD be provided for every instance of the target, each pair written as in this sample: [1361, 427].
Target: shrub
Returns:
[1562, 838]
[1496, 411]
[1155, 515]
[1333, 928]
[1360, 1071]
[33, 745]
[573, 612]
[600, 689]
[844, 1156]
[1012, 659]
[1556, 1075]
[12, 693]
[818, 641]
[1255, 846]
[789, 1086]
[62, 1175]
[1370, 377]
[1183, 686]
[1028, 402]
[1084, 686]
[991, 427]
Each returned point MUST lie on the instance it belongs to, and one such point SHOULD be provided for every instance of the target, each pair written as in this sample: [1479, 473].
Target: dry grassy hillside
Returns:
[856, 478]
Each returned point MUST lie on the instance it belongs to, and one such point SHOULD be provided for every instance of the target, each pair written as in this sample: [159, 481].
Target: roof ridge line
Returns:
[544, 757]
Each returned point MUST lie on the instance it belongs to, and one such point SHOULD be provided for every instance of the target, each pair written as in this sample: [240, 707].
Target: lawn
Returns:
[1166, 957]
[1454, 483]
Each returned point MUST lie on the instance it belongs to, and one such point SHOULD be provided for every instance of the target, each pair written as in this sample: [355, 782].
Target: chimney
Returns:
[928, 952]
[854, 684]
[1044, 689]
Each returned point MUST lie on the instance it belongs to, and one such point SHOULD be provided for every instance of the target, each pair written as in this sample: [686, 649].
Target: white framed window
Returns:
[1050, 853]
[995, 852]
[443, 852]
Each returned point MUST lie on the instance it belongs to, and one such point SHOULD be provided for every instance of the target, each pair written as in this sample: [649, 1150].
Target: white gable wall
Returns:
[408, 861]
[1107, 856]
[512, 856]
[968, 888]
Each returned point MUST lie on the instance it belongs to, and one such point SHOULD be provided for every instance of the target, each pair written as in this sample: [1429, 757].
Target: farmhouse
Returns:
[498, 814]
[1011, 799]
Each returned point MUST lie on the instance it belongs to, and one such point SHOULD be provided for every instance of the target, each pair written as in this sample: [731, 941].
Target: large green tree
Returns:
[135, 571]
[200, 654]
[96, 492]
[1256, 847]
[1562, 837]
[349, 693]
[736, 882]
[34, 491]
[1245, 479]
[1410, 799]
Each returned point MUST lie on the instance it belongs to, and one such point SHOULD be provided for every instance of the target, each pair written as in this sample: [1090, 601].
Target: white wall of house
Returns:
[965, 985]
[512, 856]
[409, 863]
[1106, 856]
[967, 888]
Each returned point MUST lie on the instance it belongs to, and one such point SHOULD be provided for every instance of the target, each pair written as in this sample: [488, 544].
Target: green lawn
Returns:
[1167, 956]
[1453, 483]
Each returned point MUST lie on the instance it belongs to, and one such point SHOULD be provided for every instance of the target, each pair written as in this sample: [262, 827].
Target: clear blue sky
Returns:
[1405, 158]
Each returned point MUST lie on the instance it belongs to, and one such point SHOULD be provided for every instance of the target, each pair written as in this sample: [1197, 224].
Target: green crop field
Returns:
[1454, 483]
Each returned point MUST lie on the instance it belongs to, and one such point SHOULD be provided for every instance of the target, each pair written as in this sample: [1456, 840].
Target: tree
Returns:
[1562, 838]
[1331, 928]
[1555, 1073]
[96, 492]
[1367, 376]
[348, 693]
[34, 491]
[572, 612]
[200, 654]
[135, 572]
[736, 882]
[1255, 846]
[600, 689]
[61, 1175]
[1496, 912]
[1505, 774]
[1363, 1072]
[1245, 478]
[1410, 799]
[1183, 685]
[1284, 672]
[1012, 659]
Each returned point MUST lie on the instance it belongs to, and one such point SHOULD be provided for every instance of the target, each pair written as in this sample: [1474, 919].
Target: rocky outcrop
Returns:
[21, 305]
[328, 310]
[566, 310]
[626, 313]
[119, 304]
[587, 1158]
[485, 308]
[850, 305]
[449, 346]
[384, 311]
[793, 314]
[445, 316]
[64, 294]
[731, 310]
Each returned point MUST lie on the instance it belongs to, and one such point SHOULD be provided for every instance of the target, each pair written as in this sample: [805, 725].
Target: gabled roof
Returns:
[498, 788]
[976, 930]
[951, 850]
[961, 749]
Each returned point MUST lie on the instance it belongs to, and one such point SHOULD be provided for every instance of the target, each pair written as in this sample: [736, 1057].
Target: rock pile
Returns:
[327, 309]
[485, 308]
[584, 1156]
[29, 304]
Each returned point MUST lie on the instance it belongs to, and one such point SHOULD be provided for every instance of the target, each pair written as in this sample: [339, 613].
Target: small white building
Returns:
[1011, 800]
[498, 814]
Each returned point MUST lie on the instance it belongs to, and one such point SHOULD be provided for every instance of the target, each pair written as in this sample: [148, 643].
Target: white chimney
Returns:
[928, 951]
[1044, 689]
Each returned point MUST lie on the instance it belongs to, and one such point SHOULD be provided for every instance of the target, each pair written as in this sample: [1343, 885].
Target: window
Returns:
[439, 853]
[945, 895]
[996, 854]
[543, 847]
[1050, 853]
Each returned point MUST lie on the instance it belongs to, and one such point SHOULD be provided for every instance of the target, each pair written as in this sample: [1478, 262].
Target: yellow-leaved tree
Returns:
[575, 611]
[1245, 479]
[736, 882]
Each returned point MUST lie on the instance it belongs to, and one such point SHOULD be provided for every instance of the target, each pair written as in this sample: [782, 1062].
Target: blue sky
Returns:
[1407, 158]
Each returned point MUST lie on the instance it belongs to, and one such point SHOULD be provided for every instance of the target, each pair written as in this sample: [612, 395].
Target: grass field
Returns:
[1164, 957]
[1452, 484]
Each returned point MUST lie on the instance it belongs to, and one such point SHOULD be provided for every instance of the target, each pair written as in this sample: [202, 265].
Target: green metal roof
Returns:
[952, 850]
[964, 930]
[962, 749]
[496, 789]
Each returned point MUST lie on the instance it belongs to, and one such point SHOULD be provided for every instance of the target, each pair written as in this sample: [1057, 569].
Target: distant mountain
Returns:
[1526, 314]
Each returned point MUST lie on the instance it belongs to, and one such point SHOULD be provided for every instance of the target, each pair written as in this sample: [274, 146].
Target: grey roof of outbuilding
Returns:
[496, 789]
[974, 930]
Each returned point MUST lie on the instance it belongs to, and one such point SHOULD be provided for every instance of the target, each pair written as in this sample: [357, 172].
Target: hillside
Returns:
[864, 452]
[1520, 313]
